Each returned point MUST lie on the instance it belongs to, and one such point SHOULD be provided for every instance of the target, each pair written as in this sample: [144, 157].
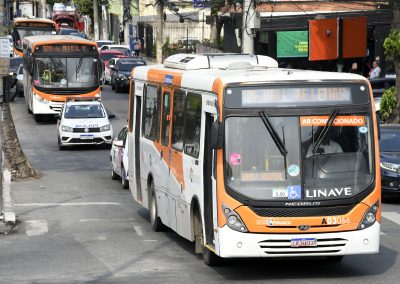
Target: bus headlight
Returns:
[233, 220]
[369, 217]
[105, 128]
[66, 128]
[40, 99]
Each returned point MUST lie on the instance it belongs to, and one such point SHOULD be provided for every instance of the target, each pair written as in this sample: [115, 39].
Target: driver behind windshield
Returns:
[327, 146]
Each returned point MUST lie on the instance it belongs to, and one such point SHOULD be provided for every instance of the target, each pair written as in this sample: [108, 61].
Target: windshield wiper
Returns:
[274, 134]
[78, 69]
[325, 130]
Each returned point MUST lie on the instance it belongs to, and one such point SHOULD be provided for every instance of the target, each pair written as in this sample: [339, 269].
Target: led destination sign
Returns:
[58, 48]
[293, 96]
[34, 25]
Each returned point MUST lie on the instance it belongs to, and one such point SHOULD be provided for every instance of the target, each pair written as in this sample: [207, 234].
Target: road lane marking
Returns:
[138, 230]
[65, 204]
[36, 227]
[108, 220]
[392, 216]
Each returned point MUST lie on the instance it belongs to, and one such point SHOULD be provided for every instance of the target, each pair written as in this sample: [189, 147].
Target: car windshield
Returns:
[61, 72]
[390, 140]
[68, 31]
[20, 34]
[256, 166]
[127, 66]
[108, 56]
[101, 43]
[84, 111]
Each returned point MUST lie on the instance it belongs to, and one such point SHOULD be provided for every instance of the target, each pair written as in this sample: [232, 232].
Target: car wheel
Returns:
[117, 89]
[112, 85]
[124, 181]
[114, 175]
[60, 146]
[156, 223]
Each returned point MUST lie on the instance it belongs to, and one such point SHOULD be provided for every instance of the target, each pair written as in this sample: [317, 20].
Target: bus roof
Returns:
[204, 79]
[33, 41]
[38, 20]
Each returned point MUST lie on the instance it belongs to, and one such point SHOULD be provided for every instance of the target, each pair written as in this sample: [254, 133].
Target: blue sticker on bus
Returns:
[294, 192]
[168, 79]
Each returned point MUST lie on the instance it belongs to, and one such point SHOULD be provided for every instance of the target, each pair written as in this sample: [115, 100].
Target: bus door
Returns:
[164, 147]
[193, 145]
[177, 185]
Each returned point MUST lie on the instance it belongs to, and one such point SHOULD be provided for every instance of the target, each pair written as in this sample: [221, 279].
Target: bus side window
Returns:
[151, 113]
[131, 105]
[192, 125]
[178, 120]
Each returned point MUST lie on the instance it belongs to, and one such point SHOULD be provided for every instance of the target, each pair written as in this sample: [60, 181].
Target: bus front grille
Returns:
[283, 247]
[302, 211]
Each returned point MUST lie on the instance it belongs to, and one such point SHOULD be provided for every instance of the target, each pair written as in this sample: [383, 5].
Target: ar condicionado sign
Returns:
[339, 121]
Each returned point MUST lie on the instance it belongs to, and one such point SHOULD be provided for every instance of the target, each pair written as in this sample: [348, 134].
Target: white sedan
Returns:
[119, 158]
[84, 122]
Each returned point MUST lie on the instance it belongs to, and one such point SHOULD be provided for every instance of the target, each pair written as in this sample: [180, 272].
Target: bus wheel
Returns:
[155, 221]
[28, 109]
[124, 181]
[335, 259]
[38, 117]
[209, 257]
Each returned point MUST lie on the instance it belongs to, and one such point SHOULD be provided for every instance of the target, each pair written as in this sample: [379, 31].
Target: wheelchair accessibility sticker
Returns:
[294, 192]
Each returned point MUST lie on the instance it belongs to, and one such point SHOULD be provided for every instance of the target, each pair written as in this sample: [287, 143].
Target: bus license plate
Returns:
[306, 242]
[86, 137]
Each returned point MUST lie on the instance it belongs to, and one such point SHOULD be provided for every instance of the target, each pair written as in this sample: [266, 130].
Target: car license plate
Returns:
[86, 137]
[306, 242]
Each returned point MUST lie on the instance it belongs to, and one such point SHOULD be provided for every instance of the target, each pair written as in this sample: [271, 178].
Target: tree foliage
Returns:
[392, 45]
[388, 103]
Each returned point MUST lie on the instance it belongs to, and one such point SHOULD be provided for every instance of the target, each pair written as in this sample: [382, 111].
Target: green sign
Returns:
[292, 44]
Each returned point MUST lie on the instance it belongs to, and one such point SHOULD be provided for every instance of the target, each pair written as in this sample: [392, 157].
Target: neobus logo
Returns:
[303, 203]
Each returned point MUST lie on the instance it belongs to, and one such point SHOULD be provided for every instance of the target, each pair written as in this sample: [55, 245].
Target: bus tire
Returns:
[124, 181]
[334, 258]
[38, 117]
[210, 258]
[156, 223]
[28, 109]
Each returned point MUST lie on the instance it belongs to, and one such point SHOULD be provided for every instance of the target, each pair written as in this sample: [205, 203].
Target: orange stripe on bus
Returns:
[50, 42]
[62, 98]
[339, 121]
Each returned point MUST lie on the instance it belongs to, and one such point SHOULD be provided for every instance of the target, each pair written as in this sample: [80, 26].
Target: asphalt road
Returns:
[75, 224]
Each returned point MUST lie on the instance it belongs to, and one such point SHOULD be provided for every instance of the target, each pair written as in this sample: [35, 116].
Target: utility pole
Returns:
[247, 33]
[127, 18]
[160, 29]
[96, 20]
[104, 19]
[43, 9]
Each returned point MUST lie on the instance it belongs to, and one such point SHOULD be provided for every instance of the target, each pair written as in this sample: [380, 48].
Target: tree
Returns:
[14, 158]
[392, 51]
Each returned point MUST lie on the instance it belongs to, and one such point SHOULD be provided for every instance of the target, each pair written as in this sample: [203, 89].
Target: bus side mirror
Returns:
[216, 141]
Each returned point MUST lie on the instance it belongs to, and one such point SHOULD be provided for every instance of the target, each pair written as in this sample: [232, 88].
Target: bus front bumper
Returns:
[237, 244]
[42, 106]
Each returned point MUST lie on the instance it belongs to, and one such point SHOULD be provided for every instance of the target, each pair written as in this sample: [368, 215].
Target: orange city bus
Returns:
[57, 67]
[24, 27]
[250, 160]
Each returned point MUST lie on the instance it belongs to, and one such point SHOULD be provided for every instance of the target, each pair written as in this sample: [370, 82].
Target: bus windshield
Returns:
[62, 72]
[340, 166]
[21, 33]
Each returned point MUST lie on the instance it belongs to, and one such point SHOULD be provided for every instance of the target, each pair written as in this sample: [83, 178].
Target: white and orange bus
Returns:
[250, 160]
[24, 27]
[57, 67]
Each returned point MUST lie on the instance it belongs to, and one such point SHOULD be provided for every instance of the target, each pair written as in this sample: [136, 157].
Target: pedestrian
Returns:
[138, 46]
[375, 71]
[354, 68]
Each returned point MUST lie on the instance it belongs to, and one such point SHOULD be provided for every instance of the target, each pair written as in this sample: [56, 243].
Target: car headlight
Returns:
[121, 77]
[105, 127]
[40, 99]
[233, 220]
[66, 128]
[390, 167]
[369, 217]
